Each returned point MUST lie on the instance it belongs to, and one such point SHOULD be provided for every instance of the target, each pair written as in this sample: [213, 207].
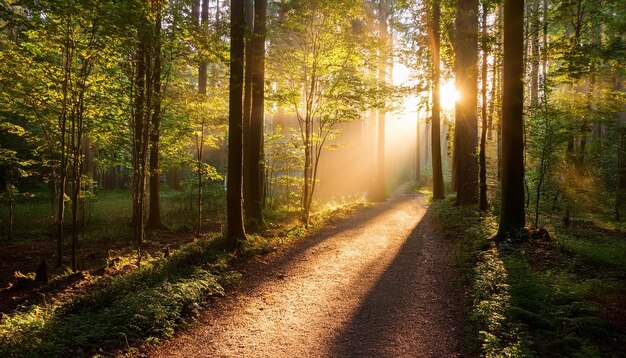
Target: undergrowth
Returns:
[490, 333]
[146, 304]
[120, 310]
[543, 297]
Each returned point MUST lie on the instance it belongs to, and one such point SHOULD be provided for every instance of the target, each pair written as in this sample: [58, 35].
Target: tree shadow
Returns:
[289, 256]
[415, 307]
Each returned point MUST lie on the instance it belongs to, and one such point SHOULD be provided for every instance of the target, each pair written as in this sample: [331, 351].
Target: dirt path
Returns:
[380, 284]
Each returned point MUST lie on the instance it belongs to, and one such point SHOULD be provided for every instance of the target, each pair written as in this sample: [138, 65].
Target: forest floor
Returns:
[381, 283]
[94, 259]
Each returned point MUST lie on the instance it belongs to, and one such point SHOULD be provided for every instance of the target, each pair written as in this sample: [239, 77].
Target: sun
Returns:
[448, 95]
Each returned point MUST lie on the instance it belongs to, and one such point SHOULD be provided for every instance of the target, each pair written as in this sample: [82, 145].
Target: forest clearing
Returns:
[312, 178]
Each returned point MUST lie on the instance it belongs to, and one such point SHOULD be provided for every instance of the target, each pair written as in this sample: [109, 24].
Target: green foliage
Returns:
[283, 162]
[115, 311]
[487, 277]
[542, 298]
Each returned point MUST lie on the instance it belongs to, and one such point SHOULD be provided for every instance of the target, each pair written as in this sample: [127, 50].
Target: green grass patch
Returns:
[108, 214]
[491, 333]
[540, 298]
[121, 310]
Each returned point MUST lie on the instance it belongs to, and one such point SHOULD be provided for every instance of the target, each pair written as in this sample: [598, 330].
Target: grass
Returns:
[118, 310]
[560, 297]
[144, 305]
[108, 214]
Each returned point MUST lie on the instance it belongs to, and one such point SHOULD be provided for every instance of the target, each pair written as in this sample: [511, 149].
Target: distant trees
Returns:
[321, 75]
[139, 87]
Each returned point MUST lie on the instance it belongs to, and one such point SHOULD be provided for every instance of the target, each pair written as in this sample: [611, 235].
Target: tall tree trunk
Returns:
[141, 126]
[195, 12]
[418, 159]
[383, 15]
[620, 188]
[427, 140]
[203, 66]
[483, 204]
[255, 145]
[200, 164]
[498, 87]
[154, 214]
[512, 215]
[67, 67]
[235, 232]
[308, 170]
[534, 54]
[438, 185]
[10, 204]
[544, 54]
[584, 126]
[466, 108]
[247, 111]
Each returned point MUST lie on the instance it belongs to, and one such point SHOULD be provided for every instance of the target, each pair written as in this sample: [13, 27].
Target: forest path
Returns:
[380, 284]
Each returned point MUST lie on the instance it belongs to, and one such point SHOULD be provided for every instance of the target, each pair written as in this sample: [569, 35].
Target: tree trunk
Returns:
[308, 170]
[235, 232]
[466, 108]
[140, 145]
[255, 144]
[483, 204]
[10, 203]
[534, 54]
[203, 66]
[64, 150]
[438, 185]
[512, 215]
[154, 215]
[195, 12]
[427, 140]
[544, 55]
[383, 14]
[247, 111]
[200, 161]
[620, 187]
[498, 88]
[418, 159]
[621, 174]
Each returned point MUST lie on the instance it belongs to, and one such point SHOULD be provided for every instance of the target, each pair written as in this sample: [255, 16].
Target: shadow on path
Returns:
[414, 309]
[283, 259]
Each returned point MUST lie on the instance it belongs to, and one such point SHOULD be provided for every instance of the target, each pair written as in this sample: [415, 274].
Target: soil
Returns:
[379, 284]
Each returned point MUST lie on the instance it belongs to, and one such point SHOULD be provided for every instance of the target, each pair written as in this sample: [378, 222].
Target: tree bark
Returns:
[418, 159]
[383, 15]
[235, 232]
[534, 54]
[154, 214]
[438, 184]
[257, 169]
[466, 108]
[512, 215]
[203, 66]
[483, 203]
[247, 110]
